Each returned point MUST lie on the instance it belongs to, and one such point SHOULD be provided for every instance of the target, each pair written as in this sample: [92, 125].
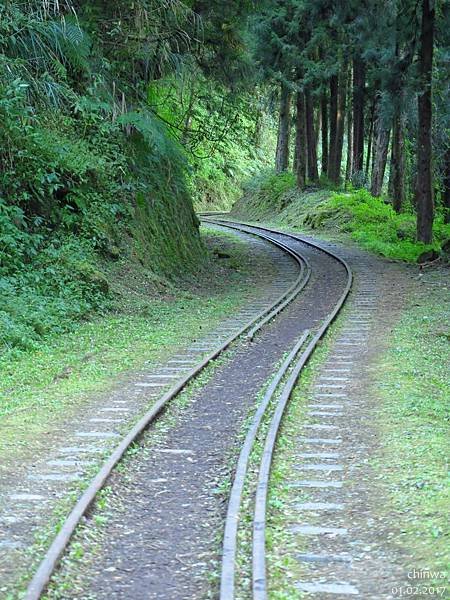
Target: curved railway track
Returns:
[293, 366]
[46, 568]
[278, 394]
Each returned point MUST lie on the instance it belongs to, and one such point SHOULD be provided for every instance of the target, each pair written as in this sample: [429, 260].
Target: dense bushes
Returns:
[60, 286]
[377, 227]
[266, 194]
[82, 180]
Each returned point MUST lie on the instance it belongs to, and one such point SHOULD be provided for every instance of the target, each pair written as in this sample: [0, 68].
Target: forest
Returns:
[119, 118]
[224, 327]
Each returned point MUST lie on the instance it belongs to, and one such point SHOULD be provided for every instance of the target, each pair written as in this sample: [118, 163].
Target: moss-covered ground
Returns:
[349, 215]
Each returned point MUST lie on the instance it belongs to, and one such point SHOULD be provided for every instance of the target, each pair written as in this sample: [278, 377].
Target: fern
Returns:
[155, 134]
[43, 48]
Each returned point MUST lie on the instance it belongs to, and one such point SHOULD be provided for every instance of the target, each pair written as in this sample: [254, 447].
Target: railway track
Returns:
[49, 563]
[281, 388]
[293, 366]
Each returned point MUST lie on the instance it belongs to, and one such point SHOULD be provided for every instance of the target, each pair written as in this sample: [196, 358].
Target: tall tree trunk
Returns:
[332, 162]
[342, 106]
[424, 190]
[349, 165]
[397, 163]
[300, 142]
[313, 174]
[370, 137]
[359, 79]
[324, 128]
[317, 126]
[284, 126]
[446, 192]
[380, 156]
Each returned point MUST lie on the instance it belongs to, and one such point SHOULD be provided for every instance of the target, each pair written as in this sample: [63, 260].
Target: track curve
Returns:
[296, 363]
[51, 559]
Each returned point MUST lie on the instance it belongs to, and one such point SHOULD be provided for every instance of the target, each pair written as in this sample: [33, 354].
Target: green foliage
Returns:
[83, 179]
[17, 245]
[60, 286]
[375, 225]
[370, 221]
[105, 141]
[266, 194]
[227, 137]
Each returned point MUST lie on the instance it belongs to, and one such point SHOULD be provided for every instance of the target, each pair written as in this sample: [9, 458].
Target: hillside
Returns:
[348, 214]
[104, 149]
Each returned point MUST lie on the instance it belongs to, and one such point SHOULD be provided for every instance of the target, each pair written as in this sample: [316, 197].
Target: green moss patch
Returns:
[367, 220]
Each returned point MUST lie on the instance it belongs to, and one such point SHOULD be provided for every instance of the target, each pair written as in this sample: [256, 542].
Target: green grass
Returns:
[411, 381]
[369, 221]
[78, 564]
[413, 420]
[375, 226]
[40, 387]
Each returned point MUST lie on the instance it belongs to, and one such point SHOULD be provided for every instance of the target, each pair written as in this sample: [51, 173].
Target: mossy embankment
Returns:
[105, 145]
[353, 215]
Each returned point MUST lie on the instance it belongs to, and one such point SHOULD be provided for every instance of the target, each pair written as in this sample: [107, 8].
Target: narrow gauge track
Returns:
[292, 366]
[46, 568]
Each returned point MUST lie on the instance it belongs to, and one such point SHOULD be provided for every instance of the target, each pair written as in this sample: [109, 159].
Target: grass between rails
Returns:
[38, 388]
[414, 392]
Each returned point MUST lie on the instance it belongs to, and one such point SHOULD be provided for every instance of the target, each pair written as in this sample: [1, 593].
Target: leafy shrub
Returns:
[17, 244]
[266, 194]
[61, 286]
[377, 227]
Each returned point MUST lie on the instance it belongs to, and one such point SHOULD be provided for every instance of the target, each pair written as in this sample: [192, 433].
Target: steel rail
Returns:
[259, 568]
[232, 519]
[50, 561]
[292, 292]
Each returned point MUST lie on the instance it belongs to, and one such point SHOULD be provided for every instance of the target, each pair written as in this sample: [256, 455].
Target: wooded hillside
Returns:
[115, 118]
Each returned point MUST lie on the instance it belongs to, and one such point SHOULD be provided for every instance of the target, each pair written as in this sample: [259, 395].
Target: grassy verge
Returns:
[413, 421]
[38, 388]
[355, 215]
[78, 565]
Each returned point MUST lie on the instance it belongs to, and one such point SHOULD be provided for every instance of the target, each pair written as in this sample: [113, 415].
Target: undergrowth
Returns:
[369, 221]
[103, 159]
